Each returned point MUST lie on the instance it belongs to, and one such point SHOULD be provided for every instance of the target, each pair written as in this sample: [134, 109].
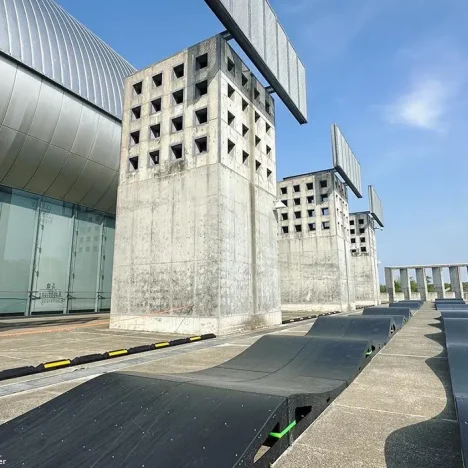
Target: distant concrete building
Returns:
[314, 243]
[364, 266]
[196, 234]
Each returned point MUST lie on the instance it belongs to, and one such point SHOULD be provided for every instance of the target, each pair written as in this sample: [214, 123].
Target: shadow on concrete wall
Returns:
[434, 443]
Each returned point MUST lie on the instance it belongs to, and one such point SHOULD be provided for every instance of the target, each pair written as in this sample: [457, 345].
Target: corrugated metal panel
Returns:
[254, 25]
[345, 162]
[375, 204]
[43, 36]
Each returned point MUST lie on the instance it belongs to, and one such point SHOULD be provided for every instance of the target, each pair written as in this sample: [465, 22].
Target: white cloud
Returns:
[438, 74]
[423, 106]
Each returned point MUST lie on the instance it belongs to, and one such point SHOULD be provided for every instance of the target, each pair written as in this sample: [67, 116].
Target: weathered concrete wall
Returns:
[314, 245]
[195, 248]
[363, 259]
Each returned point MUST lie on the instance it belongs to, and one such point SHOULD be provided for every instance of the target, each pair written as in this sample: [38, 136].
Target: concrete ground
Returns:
[398, 413]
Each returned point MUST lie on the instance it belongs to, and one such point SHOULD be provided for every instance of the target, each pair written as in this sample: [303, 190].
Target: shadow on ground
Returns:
[434, 443]
[25, 323]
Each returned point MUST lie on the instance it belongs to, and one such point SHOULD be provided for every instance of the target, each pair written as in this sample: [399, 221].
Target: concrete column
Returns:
[438, 282]
[389, 281]
[456, 282]
[422, 283]
[405, 283]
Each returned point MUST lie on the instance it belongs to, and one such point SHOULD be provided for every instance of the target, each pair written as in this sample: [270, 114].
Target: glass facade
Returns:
[55, 257]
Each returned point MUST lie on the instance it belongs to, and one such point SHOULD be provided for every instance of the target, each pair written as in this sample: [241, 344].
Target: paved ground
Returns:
[398, 413]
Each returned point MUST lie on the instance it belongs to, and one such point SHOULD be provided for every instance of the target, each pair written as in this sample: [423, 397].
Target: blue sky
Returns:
[393, 74]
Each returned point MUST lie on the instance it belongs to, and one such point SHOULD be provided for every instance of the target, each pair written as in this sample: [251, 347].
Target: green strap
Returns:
[279, 435]
[369, 353]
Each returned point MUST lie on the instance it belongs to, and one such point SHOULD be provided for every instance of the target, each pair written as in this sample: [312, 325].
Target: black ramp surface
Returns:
[216, 418]
[456, 337]
[411, 305]
[388, 311]
[454, 313]
[377, 329]
[452, 306]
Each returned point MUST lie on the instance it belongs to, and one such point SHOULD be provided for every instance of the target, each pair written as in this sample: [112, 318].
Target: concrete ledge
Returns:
[195, 325]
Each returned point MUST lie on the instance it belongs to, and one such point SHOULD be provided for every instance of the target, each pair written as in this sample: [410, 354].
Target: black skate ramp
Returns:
[378, 329]
[453, 313]
[400, 314]
[225, 416]
[452, 306]
[456, 337]
[413, 305]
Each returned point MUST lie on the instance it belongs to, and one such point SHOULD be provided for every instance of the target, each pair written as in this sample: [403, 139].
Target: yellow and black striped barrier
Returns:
[307, 317]
[61, 363]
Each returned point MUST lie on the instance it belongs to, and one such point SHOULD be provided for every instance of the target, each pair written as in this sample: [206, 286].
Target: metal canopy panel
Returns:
[345, 162]
[376, 206]
[254, 25]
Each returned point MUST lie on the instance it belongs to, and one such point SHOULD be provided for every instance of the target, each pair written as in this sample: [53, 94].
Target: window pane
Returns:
[17, 235]
[108, 260]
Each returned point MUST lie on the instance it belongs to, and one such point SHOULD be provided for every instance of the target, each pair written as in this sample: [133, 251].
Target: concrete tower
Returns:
[364, 259]
[196, 235]
[314, 243]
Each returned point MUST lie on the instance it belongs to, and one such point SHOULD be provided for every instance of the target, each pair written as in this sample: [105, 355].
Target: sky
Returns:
[393, 74]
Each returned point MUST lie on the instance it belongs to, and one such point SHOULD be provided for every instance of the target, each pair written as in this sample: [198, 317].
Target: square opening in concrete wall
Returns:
[177, 151]
[297, 201]
[267, 107]
[154, 157]
[268, 128]
[179, 71]
[284, 202]
[311, 226]
[256, 93]
[352, 231]
[155, 131]
[156, 106]
[351, 222]
[230, 92]
[325, 211]
[268, 150]
[133, 163]
[361, 221]
[353, 240]
[135, 138]
[245, 130]
[201, 116]
[177, 124]
[158, 80]
[258, 140]
[269, 172]
[230, 147]
[362, 239]
[245, 157]
[245, 104]
[297, 214]
[138, 88]
[231, 119]
[284, 190]
[310, 199]
[231, 66]
[363, 249]
[258, 165]
[201, 62]
[201, 88]
[311, 213]
[310, 186]
[178, 97]
[362, 231]
[284, 216]
[324, 198]
[323, 184]
[201, 145]
[136, 113]
[298, 227]
[326, 225]
[245, 80]
[353, 251]
[257, 116]
[285, 229]
[296, 188]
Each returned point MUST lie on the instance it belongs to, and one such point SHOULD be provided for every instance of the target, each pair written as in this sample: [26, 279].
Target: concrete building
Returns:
[314, 243]
[364, 267]
[421, 279]
[60, 109]
[196, 243]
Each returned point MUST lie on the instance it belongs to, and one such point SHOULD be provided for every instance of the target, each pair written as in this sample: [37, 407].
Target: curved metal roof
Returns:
[43, 36]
